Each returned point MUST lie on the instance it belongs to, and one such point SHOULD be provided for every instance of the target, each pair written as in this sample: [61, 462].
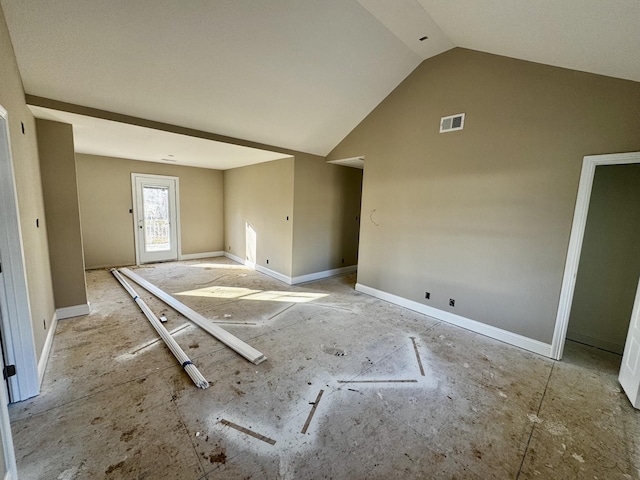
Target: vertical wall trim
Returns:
[16, 316]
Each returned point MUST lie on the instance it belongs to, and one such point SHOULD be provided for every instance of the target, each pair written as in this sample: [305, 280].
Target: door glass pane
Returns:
[157, 237]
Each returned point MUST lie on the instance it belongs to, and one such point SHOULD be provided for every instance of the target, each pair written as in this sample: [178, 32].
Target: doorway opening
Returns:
[630, 369]
[609, 264]
[156, 218]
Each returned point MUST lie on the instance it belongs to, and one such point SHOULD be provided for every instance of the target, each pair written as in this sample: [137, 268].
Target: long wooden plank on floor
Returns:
[231, 341]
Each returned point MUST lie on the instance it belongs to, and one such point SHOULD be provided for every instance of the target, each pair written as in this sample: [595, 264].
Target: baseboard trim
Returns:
[505, 336]
[596, 342]
[259, 268]
[273, 274]
[74, 311]
[325, 274]
[197, 256]
[46, 350]
[295, 280]
[235, 258]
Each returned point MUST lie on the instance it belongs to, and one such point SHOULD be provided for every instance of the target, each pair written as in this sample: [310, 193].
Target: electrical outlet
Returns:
[427, 295]
[343, 260]
[44, 322]
[452, 302]
[267, 261]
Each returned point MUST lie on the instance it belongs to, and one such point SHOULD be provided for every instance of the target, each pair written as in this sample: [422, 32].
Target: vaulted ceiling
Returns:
[295, 74]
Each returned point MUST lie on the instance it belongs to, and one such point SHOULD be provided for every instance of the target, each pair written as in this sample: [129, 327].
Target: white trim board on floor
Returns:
[73, 311]
[293, 280]
[589, 164]
[46, 349]
[198, 256]
[505, 336]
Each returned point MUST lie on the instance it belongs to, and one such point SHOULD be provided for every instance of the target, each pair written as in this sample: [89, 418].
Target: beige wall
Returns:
[261, 195]
[58, 167]
[26, 167]
[483, 215]
[104, 186]
[610, 260]
[326, 215]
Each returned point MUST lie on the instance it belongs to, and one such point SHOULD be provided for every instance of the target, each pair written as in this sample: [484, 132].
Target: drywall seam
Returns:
[46, 350]
[505, 336]
[73, 311]
[197, 256]
[324, 274]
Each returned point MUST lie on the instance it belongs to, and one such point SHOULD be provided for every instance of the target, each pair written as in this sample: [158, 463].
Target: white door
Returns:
[630, 368]
[156, 218]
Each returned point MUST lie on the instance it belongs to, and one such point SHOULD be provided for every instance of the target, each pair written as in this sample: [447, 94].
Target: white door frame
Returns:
[17, 329]
[134, 195]
[589, 165]
[11, 469]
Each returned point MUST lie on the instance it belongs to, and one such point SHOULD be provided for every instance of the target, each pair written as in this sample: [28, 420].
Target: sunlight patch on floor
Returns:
[220, 265]
[248, 294]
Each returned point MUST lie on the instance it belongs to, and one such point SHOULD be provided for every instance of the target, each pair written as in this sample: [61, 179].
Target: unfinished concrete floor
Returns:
[115, 405]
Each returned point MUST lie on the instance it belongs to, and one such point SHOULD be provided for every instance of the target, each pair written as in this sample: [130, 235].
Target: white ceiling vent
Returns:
[452, 123]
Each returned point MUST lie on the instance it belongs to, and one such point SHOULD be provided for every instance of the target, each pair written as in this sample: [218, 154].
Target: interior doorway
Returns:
[630, 369]
[156, 218]
[609, 264]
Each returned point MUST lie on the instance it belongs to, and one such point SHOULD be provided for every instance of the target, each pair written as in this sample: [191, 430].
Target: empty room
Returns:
[348, 239]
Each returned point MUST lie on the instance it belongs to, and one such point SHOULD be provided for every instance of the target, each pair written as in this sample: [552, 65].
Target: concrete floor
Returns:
[116, 405]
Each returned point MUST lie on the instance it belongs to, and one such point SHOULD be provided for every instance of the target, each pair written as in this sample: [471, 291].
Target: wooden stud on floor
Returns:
[312, 412]
[246, 431]
[415, 348]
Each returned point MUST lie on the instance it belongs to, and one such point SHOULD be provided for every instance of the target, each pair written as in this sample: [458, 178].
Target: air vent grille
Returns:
[452, 123]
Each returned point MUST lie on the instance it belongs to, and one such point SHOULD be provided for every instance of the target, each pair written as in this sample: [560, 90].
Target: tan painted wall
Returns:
[261, 195]
[610, 260]
[104, 186]
[26, 167]
[326, 212]
[483, 215]
[58, 168]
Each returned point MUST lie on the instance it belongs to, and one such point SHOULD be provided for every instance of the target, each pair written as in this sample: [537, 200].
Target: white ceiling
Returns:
[296, 74]
[96, 136]
[597, 36]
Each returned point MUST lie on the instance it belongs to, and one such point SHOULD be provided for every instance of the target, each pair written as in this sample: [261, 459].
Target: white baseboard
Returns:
[74, 311]
[197, 256]
[325, 274]
[273, 274]
[235, 258]
[46, 350]
[596, 342]
[289, 280]
[259, 268]
[473, 325]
